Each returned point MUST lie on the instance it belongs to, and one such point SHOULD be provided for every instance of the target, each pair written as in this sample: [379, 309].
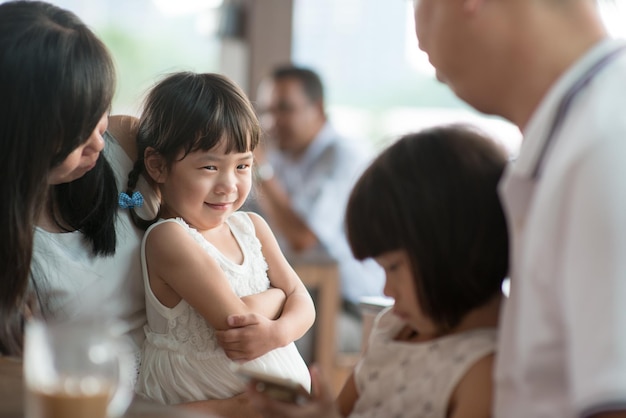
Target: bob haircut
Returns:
[189, 112]
[434, 195]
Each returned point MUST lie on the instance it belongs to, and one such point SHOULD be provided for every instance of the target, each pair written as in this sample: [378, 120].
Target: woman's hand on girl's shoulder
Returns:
[124, 129]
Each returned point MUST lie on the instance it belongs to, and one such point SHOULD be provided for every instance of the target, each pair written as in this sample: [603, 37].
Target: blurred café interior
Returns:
[379, 84]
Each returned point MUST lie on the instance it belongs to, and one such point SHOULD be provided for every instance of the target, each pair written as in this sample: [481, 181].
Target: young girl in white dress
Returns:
[427, 210]
[204, 261]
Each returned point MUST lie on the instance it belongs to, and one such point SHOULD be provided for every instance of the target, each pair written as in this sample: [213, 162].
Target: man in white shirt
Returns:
[550, 67]
[304, 179]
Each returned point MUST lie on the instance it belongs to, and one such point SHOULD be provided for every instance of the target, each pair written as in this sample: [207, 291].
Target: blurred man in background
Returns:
[305, 173]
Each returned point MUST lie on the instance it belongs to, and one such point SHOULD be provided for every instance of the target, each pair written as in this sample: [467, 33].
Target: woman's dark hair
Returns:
[56, 82]
[434, 195]
[190, 112]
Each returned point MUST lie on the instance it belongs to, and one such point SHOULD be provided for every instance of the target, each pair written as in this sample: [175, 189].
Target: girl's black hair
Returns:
[56, 82]
[189, 112]
[434, 195]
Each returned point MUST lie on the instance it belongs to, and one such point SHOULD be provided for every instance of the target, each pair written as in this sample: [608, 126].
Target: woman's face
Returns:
[83, 158]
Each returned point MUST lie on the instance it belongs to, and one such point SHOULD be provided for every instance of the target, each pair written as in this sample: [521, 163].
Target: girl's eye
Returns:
[210, 167]
[243, 166]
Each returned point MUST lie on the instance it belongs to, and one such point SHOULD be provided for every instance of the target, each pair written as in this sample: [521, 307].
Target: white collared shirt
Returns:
[562, 348]
[318, 184]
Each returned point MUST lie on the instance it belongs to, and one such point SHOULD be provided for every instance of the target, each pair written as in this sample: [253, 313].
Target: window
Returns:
[379, 84]
[150, 38]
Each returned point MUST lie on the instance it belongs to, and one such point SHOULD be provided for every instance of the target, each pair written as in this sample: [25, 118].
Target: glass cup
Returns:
[76, 369]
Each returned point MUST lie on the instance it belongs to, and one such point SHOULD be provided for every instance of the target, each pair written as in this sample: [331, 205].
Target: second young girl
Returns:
[203, 260]
[427, 210]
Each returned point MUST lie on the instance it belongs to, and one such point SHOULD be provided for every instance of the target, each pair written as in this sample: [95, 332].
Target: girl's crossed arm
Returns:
[252, 336]
[179, 269]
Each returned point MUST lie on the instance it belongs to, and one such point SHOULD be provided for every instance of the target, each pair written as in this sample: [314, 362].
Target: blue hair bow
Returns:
[126, 202]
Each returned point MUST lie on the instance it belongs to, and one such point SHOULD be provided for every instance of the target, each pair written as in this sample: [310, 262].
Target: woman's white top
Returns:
[73, 283]
[182, 361]
[414, 379]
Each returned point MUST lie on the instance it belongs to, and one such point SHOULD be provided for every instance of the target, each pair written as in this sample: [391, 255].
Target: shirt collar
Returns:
[536, 132]
[326, 136]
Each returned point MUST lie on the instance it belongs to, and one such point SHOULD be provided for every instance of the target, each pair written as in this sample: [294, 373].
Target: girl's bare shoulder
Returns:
[472, 397]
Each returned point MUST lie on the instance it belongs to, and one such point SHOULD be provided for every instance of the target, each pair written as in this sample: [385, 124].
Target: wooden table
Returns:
[319, 272]
[12, 397]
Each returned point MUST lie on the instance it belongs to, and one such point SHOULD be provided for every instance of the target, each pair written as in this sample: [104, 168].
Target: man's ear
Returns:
[319, 106]
[155, 165]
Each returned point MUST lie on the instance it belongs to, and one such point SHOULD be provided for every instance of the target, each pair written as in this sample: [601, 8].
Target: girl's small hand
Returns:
[321, 404]
[250, 336]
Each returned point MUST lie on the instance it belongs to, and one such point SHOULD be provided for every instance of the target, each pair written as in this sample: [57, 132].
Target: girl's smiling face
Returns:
[206, 187]
[400, 285]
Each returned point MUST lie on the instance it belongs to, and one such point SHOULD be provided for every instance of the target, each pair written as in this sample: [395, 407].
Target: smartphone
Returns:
[279, 388]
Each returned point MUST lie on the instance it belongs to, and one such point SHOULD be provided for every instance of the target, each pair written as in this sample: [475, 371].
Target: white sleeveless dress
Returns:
[182, 361]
